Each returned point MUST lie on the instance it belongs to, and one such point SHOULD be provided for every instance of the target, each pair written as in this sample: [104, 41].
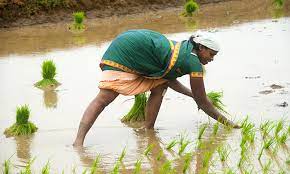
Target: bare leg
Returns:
[104, 98]
[153, 105]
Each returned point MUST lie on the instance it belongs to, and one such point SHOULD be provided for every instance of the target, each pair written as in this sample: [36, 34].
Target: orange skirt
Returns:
[127, 83]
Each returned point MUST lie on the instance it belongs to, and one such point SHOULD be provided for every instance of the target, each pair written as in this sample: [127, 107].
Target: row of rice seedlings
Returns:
[22, 125]
[137, 112]
[48, 76]
[224, 152]
[201, 130]
[266, 146]
[183, 143]
[167, 168]
[190, 7]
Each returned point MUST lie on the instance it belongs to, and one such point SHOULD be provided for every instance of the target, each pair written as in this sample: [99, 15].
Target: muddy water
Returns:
[253, 61]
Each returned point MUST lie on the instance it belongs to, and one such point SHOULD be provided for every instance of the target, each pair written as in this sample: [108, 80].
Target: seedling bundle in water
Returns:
[137, 112]
[78, 24]
[48, 75]
[22, 125]
[190, 7]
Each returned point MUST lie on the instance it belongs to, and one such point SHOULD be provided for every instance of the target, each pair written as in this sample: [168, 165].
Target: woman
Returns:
[143, 60]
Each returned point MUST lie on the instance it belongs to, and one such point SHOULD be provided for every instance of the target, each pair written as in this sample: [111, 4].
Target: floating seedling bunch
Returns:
[137, 112]
[190, 7]
[48, 81]
[78, 25]
[22, 126]
[215, 98]
[278, 3]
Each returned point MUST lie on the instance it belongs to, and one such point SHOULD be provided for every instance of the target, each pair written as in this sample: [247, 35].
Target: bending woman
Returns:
[141, 60]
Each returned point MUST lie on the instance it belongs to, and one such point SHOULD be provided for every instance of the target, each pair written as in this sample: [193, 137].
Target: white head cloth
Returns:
[207, 41]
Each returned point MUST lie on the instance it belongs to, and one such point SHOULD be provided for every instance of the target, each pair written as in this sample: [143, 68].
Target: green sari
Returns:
[152, 55]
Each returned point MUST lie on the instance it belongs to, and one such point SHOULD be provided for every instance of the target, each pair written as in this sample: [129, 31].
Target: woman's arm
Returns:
[178, 87]
[199, 95]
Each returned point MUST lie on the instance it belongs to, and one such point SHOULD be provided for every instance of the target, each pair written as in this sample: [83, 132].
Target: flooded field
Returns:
[252, 70]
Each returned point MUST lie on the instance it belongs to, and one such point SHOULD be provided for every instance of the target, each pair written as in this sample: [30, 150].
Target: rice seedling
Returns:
[121, 157]
[282, 139]
[167, 168]
[215, 98]
[137, 112]
[7, 167]
[279, 127]
[22, 125]
[187, 160]
[171, 144]
[46, 169]
[288, 130]
[48, 76]
[85, 171]
[229, 171]
[278, 3]
[95, 165]
[206, 159]
[78, 24]
[137, 169]
[215, 128]
[190, 7]
[266, 168]
[201, 131]
[266, 145]
[266, 128]
[159, 155]
[223, 152]
[148, 149]
[288, 161]
[27, 169]
[244, 156]
[116, 168]
[183, 143]
[282, 171]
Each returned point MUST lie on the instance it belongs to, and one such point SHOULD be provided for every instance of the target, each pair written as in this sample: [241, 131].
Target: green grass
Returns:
[159, 155]
[282, 138]
[190, 7]
[137, 112]
[215, 98]
[206, 159]
[201, 131]
[183, 143]
[22, 125]
[48, 75]
[116, 168]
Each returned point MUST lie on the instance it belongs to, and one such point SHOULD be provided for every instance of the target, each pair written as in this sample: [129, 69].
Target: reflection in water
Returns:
[23, 146]
[277, 13]
[50, 99]
[79, 40]
[190, 24]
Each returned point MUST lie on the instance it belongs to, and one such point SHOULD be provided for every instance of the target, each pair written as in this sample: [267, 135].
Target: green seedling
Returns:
[85, 171]
[278, 3]
[48, 76]
[206, 159]
[223, 152]
[116, 168]
[122, 155]
[279, 127]
[266, 128]
[266, 145]
[137, 169]
[215, 98]
[183, 143]
[22, 125]
[95, 165]
[148, 149]
[187, 159]
[190, 7]
[288, 161]
[159, 155]
[7, 167]
[137, 112]
[171, 144]
[215, 128]
[229, 171]
[46, 169]
[27, 169]
[201, 131]
[266, 168]
[282, 139]
[167, 168]
[78, 24]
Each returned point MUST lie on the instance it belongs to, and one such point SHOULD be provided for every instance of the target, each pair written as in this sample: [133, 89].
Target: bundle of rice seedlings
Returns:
[215, 98]
[48, 75]
[78, 24]
[190, 7]
[22, 125]
[278, 3]
[137, 112]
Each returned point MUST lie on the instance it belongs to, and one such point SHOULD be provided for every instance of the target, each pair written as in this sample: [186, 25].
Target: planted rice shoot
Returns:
[122, 155]
[171, 144]
[187, 160]
[278, 3]
[215, 128]
[137, 169]
[148, 149]
[159, 155]
[266, 128]
[7, 167]
[46, 169]
[48, 75]
[167, 168]
[27, 169]
[22, 125]
[183, 143]
[282, 139]
[206, 159]
[223, 152]
[215, 98]
[95, 165]
[201, 131]
[78, 24]
[266, 168]
[137, 112]
[190, 7]
[116, 168]
[266, 145]
[279, 127]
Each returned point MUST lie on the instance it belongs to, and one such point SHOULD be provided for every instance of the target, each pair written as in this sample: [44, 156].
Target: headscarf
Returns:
[206, 41]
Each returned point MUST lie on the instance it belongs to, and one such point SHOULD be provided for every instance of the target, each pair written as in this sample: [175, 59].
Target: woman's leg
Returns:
[153, 105]
[103, 99]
